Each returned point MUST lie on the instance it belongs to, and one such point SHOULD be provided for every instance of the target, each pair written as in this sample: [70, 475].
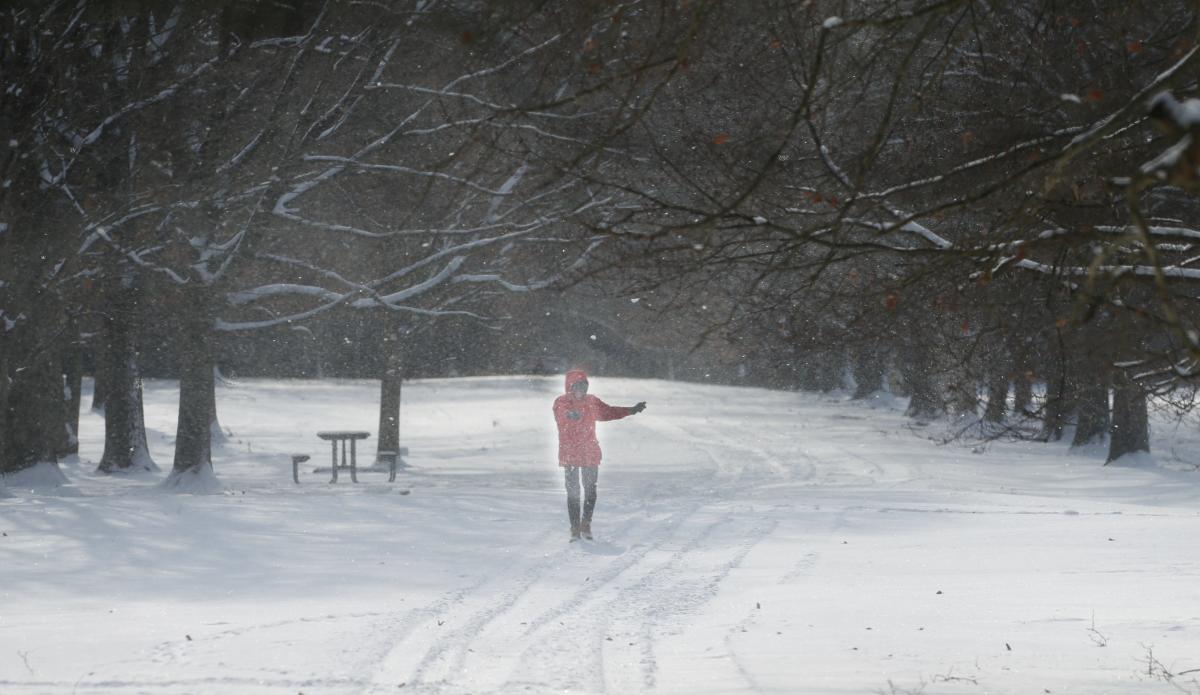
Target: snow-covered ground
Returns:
[747, 541]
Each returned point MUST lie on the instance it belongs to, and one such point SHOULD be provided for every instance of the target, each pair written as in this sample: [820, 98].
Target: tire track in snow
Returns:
[731, 451]
[623, 593]
[803, 567]
[393, 637]
[562, 625]
[442, 659]
[624, 596]
[183, 686]
[679, 588]
[170, 651]
[448, 664]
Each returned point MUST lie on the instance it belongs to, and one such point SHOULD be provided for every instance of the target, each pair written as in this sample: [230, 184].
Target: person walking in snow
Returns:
[578, 450]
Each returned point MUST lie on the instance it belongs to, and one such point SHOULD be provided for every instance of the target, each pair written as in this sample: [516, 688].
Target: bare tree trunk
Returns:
[100, 380]
[1130, 431]
[389, 408]
[1023, 392]
[125, 448]
[5, 381]
[996, 368]
[35, 412]
[868, 366]
[1059, 405]
[997, 401]
[836, 372]
[1092, 398]
[214, 423]
[963, 398]
[1022, 378]
[35, 415]
[1060, 400]
[823, 370]
[72, 365]
[918, 370]
[72, 360]
[193, 435]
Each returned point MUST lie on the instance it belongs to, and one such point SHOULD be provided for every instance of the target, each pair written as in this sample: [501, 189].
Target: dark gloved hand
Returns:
[573, 415]
[637, 408]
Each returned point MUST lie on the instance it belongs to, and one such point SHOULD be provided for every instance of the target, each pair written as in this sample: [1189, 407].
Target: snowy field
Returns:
[747, 542]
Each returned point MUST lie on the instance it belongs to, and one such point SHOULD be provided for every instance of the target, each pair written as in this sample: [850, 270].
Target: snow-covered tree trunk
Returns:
[1130, 432]
[125, 448]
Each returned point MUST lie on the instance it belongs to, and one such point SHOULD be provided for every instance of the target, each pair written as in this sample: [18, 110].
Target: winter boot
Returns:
[575, 533]
[585, 529]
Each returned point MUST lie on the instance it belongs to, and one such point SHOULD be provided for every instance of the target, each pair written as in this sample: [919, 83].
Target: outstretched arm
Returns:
[605, 411]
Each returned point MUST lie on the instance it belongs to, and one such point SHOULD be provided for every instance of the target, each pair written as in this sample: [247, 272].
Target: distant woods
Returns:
[987, 207]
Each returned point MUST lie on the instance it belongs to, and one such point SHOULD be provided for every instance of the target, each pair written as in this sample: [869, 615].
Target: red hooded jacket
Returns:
[577, 444]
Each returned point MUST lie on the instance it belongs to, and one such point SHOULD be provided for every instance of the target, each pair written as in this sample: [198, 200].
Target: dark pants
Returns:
[572, 474]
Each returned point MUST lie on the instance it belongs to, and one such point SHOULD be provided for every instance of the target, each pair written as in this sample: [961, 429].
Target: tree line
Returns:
[994, 203]
[989, 205]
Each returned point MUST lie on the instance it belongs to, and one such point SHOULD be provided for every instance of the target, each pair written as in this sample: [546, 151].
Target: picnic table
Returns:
[343, 436]
[385, 461]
